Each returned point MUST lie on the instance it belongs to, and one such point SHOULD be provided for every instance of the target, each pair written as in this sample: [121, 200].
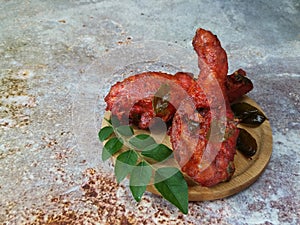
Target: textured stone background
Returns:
[58, 60]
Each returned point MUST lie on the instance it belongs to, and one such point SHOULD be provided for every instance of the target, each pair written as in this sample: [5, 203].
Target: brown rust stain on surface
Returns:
[95, 203]
[15, 101]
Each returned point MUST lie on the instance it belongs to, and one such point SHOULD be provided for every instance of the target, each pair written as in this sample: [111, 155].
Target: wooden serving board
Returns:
[247, 170]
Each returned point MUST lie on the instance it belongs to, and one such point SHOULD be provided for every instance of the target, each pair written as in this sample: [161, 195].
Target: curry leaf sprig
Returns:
[134, 161]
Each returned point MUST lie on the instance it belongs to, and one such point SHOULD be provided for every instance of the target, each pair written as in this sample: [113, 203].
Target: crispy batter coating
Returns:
[237, 85]
[212, 131]
[132, 99]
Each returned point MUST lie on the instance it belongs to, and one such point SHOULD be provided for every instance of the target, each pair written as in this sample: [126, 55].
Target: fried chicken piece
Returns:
[237, 85]
[204, 132]
[131, 100]
[204, 139]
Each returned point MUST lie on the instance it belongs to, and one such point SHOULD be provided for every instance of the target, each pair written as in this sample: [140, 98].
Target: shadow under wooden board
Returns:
[247, 170]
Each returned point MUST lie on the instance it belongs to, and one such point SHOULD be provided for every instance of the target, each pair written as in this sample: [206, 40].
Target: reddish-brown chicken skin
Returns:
[210, 159]
[237, 84]
[132, 99]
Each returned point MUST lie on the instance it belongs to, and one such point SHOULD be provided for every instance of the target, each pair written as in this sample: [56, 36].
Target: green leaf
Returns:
[114, 121]
[124, 164]
[170, 182]
[125, 130]
[158, 152]
[105, 132]
[248, 114]
[139, 179]
[112, 146]
[141, 141]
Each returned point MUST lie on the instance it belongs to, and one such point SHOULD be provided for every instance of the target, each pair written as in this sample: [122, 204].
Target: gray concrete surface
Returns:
[59, 58]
